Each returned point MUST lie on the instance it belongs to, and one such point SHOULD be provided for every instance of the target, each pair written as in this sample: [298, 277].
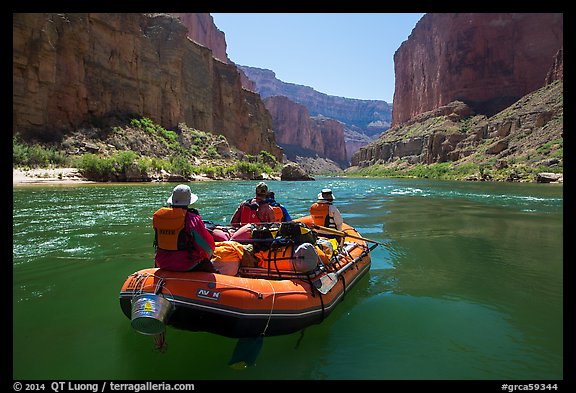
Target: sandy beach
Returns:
[73, 176]
[47, 176]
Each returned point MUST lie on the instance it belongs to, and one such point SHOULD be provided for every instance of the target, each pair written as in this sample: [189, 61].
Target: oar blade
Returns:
[246, 352]
[325, 283]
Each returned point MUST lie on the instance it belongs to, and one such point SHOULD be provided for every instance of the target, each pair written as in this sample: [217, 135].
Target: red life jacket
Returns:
[319, 213]
[249, 213]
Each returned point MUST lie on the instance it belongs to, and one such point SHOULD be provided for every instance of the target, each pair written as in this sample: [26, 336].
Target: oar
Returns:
[245, 352]
[340, 233]
[325, 283]
[269, 240]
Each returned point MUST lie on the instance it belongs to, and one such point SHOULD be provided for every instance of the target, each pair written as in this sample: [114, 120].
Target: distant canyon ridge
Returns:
[309, 122]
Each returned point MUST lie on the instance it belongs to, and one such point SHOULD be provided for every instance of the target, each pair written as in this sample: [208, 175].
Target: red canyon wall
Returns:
[486, 60]
[202, 30]
[70, 68]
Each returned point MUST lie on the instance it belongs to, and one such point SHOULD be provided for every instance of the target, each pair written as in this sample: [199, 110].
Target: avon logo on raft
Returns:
[208, 294]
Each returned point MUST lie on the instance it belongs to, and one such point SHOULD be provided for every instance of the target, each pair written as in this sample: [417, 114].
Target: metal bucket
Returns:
[149, 313]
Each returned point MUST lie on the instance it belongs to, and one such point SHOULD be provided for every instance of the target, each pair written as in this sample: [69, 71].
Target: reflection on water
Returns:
[437, 337]
[468, 286]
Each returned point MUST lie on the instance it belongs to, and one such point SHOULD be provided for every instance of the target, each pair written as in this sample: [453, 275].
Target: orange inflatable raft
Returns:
[266, 286]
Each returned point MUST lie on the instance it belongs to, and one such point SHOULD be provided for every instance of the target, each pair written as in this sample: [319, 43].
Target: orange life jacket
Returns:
[278, 213]
[169, 230]
[319, 213]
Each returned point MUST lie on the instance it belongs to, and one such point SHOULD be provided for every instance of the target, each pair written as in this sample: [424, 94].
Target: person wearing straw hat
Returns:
[254, 210]
[181, 239]
[324, 213]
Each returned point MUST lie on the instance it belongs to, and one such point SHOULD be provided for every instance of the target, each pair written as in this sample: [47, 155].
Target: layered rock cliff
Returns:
[556, 72]
[71, 68]
[363, 120]
[486, 60]
[528, 133]
[300, 134]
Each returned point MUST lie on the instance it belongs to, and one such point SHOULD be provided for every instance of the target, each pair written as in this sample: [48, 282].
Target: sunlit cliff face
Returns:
[486, 60]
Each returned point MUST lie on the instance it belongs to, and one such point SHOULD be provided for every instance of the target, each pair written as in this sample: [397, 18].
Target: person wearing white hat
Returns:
[181, 239]
[324, 213]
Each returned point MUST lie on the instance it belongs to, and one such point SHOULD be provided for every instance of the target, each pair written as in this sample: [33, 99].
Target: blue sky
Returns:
[343, 54]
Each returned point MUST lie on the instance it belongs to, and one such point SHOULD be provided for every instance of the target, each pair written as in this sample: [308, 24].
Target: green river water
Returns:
[470, 286]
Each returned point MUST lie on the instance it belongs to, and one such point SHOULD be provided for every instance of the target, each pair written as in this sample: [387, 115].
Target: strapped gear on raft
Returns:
[296, 231]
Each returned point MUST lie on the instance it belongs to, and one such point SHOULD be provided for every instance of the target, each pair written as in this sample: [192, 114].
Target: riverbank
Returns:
[73, 176]
[48, 176]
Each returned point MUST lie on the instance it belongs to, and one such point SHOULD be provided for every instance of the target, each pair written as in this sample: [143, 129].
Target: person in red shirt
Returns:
[181, 239]
[255, 210]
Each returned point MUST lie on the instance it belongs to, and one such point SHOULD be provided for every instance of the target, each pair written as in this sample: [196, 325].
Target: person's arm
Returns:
[201, 235]
[235, 220]
[338, 220]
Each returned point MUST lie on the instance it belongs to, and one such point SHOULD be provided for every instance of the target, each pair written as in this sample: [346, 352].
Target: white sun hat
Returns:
[326, 195]
[182, 196]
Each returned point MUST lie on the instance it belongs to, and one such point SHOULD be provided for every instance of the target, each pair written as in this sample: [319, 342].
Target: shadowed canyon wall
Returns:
[202, 30]
[70, 68]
